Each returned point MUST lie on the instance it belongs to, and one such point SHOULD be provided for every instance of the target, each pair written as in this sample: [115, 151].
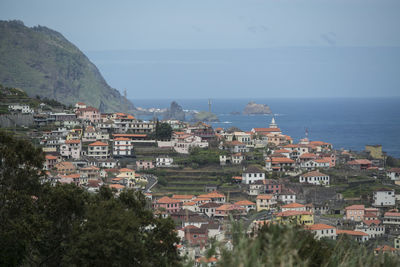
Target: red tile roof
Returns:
[72, 141]
[183, 196]
[244, 203]
[359, 162]
[282, 160]
[293, 205]
[167, 200]
[355, 207]
[264, 196]
[98, 143]
[320, 226]
[350, 232]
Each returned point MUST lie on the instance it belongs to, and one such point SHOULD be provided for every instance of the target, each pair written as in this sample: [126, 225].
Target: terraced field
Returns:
[193, 181]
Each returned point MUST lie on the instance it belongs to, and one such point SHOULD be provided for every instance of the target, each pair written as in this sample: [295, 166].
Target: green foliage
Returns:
[278, 245]
[42, 62]
[163, 131]
[201, 157]
[392, 162]
[63, 225]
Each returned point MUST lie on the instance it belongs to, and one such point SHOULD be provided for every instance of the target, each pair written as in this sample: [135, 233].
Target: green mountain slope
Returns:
[42, 62]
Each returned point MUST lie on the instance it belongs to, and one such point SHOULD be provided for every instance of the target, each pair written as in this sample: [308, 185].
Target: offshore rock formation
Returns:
[175, 112]
[253, 108]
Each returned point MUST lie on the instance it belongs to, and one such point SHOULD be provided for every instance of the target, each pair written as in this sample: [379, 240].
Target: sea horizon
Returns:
[346, 122]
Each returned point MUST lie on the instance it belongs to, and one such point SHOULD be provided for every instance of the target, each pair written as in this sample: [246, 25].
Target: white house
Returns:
[98, 150]
[384, 198]
[71, 149]
[293, 207]
[122, 147]
[164, 161]
[314, 177]
[315, 163]
[323, 231]
[287, 196]
[24, 109]
[374, 228]
[394, 174]
[252, 174]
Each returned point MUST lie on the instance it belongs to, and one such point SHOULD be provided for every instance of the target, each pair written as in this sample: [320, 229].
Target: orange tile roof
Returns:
[282, 151]
[282, 160]
[72, 141]
[369, 222]
[98, 143]
[199, 199]
[214, 194]
[167, 200]
[116, 186]
[267, 130]
[73, 176]
[189, 203]
[51, 157]
[320, 226]
[322, 160]
[359, 162]
[237, 177]
[183, 196]
[291, 146]
[264, 196]
[350, 232]
[293, 205]
[244, 203]
[228, 207]
[308, 156]
[126, 170]
[385, 248]
[355, 207]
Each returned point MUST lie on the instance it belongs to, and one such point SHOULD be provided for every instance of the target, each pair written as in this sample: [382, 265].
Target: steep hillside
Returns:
[42, 62]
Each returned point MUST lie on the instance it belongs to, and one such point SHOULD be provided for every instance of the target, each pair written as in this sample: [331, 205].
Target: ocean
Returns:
[349, 123]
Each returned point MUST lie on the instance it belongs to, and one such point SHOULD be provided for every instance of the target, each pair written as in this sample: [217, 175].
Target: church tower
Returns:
[273, 123]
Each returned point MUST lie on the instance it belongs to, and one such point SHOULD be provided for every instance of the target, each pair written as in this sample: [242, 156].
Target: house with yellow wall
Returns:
[266, 202]
[295, 217]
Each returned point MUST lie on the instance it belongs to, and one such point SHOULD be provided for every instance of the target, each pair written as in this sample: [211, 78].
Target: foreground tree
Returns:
[63, 225]
[278, 245]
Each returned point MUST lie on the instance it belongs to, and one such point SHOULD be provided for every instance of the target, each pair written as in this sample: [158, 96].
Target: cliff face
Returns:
[42, 62]
[253, 108]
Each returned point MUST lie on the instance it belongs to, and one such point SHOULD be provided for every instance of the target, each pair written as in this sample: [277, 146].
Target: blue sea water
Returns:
[349, 123]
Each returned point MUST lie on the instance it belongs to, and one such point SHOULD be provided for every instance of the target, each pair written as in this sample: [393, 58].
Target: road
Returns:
[151, 182]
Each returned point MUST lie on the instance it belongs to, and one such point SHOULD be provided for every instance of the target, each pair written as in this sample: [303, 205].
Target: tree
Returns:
[163, 131]
[20, 171]
[63, 225]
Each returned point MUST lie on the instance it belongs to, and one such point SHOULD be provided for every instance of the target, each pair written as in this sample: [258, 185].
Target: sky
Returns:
[237, 48]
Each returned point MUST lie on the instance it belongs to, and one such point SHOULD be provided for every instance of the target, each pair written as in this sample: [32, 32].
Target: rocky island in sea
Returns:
[205, 116]
[254, 108]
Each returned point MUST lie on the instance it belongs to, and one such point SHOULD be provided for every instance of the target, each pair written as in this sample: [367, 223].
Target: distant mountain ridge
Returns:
[42, 62]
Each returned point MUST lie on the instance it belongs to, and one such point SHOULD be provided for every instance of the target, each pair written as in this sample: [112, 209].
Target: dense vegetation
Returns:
[42, 62]
[63, 225]
[277, 245]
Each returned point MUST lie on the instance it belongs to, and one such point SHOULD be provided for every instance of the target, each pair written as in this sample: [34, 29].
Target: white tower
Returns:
[273, 124]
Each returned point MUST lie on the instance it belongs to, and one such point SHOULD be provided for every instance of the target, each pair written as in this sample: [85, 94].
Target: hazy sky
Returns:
[95, 25]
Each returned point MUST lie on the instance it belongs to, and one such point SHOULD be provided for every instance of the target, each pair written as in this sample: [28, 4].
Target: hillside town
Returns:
[203, 178]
